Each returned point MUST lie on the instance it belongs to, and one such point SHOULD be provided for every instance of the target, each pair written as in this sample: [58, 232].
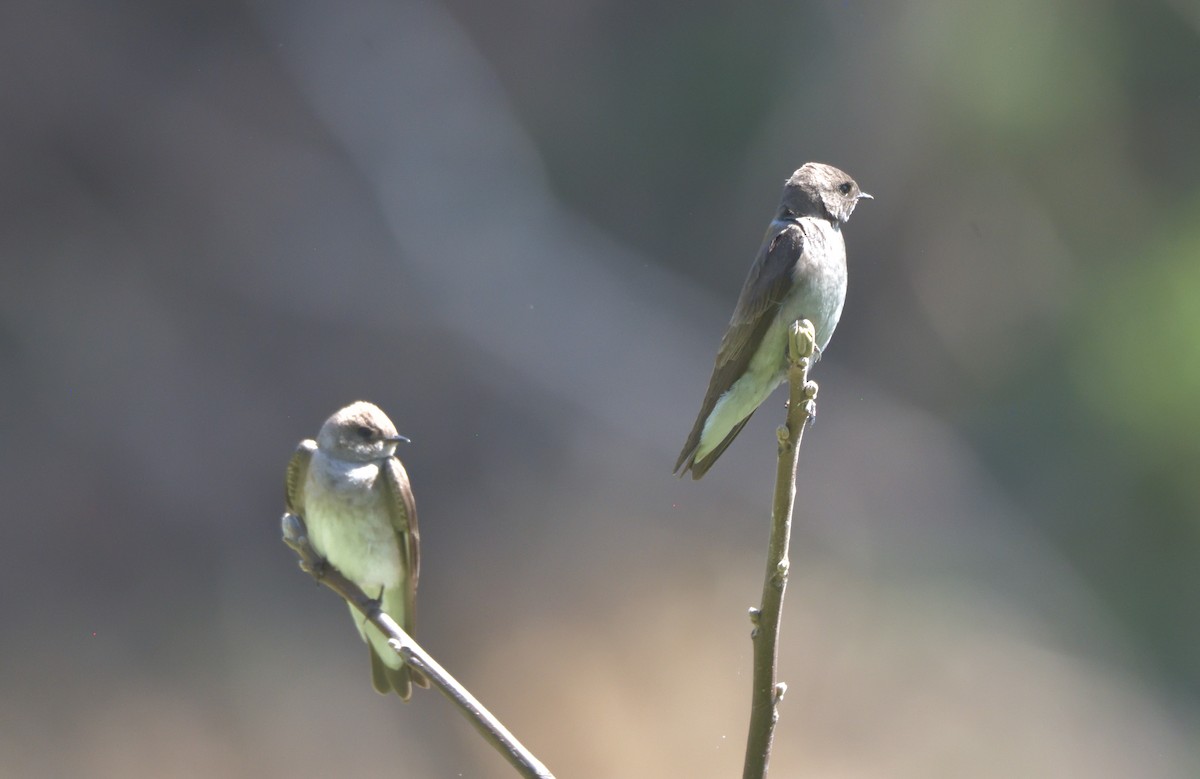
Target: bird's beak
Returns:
[861, 195]
[398, 439]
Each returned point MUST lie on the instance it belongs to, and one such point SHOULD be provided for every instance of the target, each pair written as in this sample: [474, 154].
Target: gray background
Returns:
[520, 228]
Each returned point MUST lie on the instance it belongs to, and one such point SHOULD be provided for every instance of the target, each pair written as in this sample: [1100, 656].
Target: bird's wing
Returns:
[403, 511]
[297, 472]
[765, 288]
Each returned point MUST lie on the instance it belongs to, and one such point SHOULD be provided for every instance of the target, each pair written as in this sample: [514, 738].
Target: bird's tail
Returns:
[388, 671]
[399, 680]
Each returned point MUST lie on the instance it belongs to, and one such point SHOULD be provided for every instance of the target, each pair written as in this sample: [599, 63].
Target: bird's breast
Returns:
[818, 281]
[349, 522]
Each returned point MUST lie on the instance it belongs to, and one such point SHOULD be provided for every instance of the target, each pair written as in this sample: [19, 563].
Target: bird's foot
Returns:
[295, 535]
[376, 604]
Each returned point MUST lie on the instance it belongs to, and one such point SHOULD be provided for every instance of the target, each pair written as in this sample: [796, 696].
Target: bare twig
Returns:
[295, 535]
[767, 692]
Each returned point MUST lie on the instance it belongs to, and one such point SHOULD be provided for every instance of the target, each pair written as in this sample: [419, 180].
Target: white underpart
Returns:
[349, 524]
[820, 301]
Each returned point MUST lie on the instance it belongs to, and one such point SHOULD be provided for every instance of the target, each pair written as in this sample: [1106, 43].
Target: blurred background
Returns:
[520, 228]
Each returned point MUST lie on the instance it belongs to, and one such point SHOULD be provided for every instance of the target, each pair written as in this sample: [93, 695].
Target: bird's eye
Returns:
[364, 432]
[844, 187]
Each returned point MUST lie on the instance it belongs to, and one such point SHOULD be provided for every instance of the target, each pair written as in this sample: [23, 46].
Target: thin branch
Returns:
[767, 692]
[295, 535]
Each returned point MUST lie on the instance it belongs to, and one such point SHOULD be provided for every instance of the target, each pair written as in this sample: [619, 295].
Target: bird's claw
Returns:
[295, 535]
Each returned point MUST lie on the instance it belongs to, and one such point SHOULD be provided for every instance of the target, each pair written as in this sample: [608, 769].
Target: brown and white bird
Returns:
[799, 273]
[354, 496]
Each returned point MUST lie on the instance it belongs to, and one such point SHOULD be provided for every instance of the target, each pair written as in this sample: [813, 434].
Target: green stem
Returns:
[767, 692]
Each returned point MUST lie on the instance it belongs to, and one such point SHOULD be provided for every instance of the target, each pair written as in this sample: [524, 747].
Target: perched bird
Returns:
[799, 273]
[353, 494]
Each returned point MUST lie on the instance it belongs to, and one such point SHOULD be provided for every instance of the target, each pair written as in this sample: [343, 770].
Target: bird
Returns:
[799, 273]
[354, 496]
